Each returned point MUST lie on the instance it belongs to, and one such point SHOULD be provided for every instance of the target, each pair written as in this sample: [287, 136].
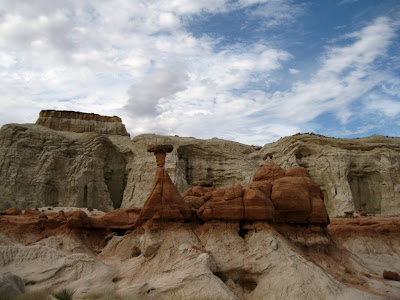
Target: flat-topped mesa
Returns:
[79, 122]
[164, 202]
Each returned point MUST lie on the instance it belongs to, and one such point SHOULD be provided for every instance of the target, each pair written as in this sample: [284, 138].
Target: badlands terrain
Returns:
[85, 207]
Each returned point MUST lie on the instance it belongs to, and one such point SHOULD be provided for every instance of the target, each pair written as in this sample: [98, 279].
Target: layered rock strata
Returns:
[351, 172]
[43, 167]
[81, 122]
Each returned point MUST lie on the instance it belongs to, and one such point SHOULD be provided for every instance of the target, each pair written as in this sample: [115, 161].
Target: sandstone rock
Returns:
[81, 122]
[203, 183]
[164, 202]
[121, 218]
[11, 284]
[268, 172]
[13, 211]
[31, 212]
[78, 219]
[294, 199]
[257, 203]
[391, 275]
[214, 262]
[160, 148]
[42, 167]
[42, 267]
[350, 172]
[215, 162]
[347, 170]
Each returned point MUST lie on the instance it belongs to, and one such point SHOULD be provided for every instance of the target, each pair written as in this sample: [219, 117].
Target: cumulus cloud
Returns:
[145, 95]
[139, 60]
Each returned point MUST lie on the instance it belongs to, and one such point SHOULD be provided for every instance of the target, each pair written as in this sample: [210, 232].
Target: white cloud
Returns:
[378, 103]
[346, 73]
[144, 96]
[87, 55]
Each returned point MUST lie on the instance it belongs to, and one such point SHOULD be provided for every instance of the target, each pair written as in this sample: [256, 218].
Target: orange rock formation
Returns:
[164, 202]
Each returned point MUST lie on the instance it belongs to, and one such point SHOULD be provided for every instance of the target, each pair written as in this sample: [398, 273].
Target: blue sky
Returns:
[245, 70]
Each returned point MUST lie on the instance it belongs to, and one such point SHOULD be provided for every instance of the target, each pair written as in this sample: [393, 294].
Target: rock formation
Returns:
[351, 172]
[39, 166]
[268, 237]
[215, 162]
[81, 122]
[275, 195]
[43, 167]
[164, 202]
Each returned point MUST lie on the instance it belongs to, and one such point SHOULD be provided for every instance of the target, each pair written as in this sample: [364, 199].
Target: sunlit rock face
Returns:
[81, 122]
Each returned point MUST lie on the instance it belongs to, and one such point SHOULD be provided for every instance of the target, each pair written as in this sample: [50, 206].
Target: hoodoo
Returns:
[164, 202]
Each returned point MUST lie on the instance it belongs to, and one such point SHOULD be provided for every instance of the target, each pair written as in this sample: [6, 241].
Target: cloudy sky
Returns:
[245, 70]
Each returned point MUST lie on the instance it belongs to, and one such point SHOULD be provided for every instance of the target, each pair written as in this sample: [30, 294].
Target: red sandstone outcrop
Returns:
[275, 195]
[13, 211]
[81, 122]
[391, 275]
[164, 202]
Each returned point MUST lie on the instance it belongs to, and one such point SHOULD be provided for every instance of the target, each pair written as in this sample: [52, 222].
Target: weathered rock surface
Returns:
[49, 167]
[81, 122]
[215, 162]
[11, 284]
[219, 259]
[276, 195]
[43, 267]
[213, 261]
[43, 167]
[351, 172]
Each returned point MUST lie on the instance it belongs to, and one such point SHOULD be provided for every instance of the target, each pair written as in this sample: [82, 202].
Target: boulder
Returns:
[391, 275]
[78, 219]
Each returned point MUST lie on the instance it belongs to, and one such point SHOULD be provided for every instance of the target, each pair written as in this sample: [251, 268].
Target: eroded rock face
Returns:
[81, 122]
[275, 195]
[350, 172]
[44, 167]
[216, 163]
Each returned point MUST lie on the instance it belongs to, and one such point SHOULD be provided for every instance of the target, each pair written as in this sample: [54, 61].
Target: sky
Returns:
[250, 71]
